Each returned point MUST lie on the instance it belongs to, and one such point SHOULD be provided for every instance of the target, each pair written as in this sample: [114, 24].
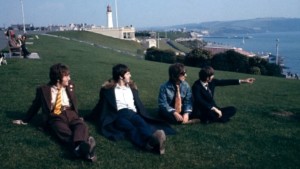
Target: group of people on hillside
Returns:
[19, 42]
[121, 114]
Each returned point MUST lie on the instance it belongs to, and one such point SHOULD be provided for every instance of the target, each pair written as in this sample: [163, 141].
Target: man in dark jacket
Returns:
[59, 106]
[121, 113]
[204, 105]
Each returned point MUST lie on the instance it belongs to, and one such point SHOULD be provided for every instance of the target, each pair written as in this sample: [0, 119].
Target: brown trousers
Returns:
[68, 127]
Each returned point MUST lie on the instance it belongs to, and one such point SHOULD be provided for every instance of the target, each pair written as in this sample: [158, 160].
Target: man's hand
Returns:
[19, 122]
[219, 112]
[178, 117]
[248, 80]
[185, 118]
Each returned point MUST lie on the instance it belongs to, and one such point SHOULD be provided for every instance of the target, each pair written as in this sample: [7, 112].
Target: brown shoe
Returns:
[91, 156]
[161, 138]
[192, 121]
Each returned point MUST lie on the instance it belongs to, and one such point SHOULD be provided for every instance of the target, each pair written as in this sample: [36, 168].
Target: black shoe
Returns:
[81, 150]
[224, 120]
[86, 150]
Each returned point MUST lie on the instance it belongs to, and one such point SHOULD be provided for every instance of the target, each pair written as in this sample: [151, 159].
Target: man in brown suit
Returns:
[60, 114]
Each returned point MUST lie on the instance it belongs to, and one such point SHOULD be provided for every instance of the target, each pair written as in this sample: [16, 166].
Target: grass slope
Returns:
[124, 45]
[265, 132]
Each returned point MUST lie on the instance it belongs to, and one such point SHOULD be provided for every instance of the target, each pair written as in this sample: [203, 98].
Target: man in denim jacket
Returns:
[167, 94]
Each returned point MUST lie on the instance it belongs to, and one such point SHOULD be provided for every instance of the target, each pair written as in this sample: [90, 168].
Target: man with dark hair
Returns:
[204, 105]
[121, 113]
[60, 114]
[175, 97]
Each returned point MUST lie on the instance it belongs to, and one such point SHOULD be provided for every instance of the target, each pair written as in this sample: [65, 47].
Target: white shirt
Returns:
[205, 85]
[124, 98]
[65, 99]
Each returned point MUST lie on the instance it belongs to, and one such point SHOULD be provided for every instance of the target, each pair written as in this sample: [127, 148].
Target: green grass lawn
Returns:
[124, 45]
[265, 132]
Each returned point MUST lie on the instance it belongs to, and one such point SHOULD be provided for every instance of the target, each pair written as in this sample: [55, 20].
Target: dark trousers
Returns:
[135, 127]
[69, 128]
[25, 51]
[169, 117]
[227, 113]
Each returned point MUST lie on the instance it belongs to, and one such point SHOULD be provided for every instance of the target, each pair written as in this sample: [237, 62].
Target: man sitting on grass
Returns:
[59, 106]
[204, 105]
[120, 113]
[175, 97]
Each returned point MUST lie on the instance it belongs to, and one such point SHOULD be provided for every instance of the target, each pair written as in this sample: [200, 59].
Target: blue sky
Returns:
[143, 13]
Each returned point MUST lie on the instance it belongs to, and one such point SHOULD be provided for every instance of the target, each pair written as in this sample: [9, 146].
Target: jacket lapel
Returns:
[47, 95]
[71, 95]
[206, 92]
[111, 97]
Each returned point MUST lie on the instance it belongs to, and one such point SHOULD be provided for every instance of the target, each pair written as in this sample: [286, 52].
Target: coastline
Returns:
[264, 43]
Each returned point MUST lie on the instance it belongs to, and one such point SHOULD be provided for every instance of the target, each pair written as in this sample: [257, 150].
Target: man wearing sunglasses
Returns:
[175, 97]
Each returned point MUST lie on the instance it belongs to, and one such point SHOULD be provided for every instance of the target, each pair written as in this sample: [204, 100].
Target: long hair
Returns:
[57, 72]
[175, 70]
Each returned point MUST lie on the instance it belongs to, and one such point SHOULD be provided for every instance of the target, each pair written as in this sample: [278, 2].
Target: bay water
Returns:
[288, 46]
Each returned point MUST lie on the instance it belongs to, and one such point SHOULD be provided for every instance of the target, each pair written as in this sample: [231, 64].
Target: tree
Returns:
[166, 56]
[255, 70]
[265, 67]
[193, 44]
[150, 54]
[231, 61]
[198, 58]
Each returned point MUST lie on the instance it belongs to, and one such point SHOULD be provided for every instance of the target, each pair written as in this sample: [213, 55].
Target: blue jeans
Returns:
[135, 127]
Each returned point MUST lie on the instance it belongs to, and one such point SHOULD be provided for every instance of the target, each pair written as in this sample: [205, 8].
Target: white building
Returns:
[149, 43]
[126, 33]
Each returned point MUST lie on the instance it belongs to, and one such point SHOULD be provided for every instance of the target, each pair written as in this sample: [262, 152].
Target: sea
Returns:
[288, 44]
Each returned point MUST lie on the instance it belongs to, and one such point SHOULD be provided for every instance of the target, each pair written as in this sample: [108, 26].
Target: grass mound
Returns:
[261, 135]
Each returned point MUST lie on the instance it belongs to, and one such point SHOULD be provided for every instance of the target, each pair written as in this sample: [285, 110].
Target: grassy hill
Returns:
[265, 132]
[101, 40]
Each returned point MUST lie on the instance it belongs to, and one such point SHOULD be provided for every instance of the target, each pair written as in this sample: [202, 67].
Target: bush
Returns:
[255, 70]
[231, 61]
[198, 58]
[166, 56]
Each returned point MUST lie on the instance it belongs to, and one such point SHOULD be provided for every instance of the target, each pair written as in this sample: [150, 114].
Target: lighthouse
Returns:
[126, 33]
[109, 17]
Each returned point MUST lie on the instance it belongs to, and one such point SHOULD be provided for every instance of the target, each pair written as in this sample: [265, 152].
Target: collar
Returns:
[204, 84]
[170, 83]
[56, 88]
[122, 87]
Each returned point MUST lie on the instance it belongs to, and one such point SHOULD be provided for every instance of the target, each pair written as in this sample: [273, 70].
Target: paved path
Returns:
[3, 41]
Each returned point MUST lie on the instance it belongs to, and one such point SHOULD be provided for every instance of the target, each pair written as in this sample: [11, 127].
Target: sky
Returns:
[142, 13]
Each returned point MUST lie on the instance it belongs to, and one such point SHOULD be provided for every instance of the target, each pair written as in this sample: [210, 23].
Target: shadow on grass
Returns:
[287, 114]
[153, 112]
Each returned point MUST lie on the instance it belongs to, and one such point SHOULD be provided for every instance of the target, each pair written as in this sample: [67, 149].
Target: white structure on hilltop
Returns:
[149, 43]
[109, 17]
[126, 33]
